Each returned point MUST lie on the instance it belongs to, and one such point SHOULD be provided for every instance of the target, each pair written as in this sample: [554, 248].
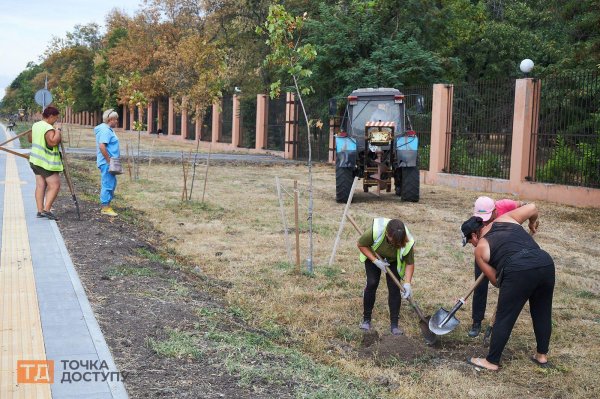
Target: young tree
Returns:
[291, 56]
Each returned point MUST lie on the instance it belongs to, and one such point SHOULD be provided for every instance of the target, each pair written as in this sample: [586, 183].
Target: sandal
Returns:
[478, 366]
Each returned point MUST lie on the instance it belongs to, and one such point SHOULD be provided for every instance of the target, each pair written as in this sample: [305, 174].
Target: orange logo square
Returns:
[35, 371]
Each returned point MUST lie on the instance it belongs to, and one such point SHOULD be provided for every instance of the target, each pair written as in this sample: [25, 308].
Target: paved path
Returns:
[48, 331]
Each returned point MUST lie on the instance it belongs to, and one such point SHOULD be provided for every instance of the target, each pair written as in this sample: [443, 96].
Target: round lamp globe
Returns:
[526, 65]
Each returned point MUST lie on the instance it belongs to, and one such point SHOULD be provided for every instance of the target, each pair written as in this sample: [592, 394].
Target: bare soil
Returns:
[145, 285]
[133, 309]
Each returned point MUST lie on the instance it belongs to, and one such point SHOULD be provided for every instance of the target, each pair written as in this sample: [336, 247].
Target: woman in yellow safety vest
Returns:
[46, 162]
[391, 240]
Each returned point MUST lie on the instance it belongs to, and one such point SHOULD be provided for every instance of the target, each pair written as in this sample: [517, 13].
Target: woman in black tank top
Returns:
[514, 262]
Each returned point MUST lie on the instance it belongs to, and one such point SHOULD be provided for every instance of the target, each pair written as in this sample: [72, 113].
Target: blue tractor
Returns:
[376, 143]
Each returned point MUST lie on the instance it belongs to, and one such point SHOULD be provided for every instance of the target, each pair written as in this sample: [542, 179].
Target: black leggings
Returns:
[394, 299]
[479, 297]
[518, 287]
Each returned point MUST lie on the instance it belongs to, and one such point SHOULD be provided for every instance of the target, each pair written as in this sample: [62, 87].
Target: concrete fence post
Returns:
[332, 131]
[216, 121]
[171, 117]
[150, 120]
[236, 131]
[131, 117]
[198, 124]
[291, 127]
[527, 95]
[159, 116]
[262, 105]
[184, 118]
[441, 124]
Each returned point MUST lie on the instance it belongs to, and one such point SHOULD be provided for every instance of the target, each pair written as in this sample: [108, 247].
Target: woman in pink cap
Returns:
[514, 262]
[488, 210]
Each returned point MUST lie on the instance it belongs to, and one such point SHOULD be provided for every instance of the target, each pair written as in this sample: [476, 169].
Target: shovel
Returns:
[63, 154]
[26, 156]
[488, 331]
[442, 322]
[430, 338]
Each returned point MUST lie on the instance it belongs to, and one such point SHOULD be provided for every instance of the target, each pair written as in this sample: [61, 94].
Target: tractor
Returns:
[375, 144]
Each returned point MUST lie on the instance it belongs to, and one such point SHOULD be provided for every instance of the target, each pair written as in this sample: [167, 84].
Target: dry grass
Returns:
[75, 136]
[237, 235]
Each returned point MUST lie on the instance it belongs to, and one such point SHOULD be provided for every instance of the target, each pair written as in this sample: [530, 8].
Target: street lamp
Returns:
[526, 66]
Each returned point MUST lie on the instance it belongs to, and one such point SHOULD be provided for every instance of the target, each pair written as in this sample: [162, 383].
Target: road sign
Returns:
[43, 97]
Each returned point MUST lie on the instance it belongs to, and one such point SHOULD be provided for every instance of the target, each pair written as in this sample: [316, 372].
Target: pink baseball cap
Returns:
[484, 206]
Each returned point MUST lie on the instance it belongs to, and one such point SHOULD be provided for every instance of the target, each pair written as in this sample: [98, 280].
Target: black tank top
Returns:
[511, 247]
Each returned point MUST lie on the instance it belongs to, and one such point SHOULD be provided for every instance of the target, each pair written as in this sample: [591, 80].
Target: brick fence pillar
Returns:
[184, 118]
[291, 127]
[236, 128]
[216, 121]
[171, 118]
[441, 124]
[261, 121]
[527, 95]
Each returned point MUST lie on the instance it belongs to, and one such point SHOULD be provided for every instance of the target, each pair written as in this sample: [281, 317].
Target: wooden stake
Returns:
[206, 171]
[184, 192]
[297, 223]
[283, 220]
[339, 233]
[127, 158]
[150, 158]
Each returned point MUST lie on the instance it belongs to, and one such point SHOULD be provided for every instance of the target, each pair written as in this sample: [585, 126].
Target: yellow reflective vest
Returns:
[41, 155]
[379, 226]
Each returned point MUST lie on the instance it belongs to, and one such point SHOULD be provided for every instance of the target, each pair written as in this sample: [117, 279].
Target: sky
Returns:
[27, 26]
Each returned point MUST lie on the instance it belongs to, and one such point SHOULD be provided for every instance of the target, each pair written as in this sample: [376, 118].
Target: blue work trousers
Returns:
[108, 185]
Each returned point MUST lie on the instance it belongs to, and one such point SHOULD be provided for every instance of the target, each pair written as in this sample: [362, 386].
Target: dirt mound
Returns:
[399, 347]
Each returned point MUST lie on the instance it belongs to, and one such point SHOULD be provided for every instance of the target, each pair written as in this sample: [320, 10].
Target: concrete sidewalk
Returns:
[50, 343]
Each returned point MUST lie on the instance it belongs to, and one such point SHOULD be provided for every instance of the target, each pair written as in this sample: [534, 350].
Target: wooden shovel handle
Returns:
[475, 284]
[16, 137]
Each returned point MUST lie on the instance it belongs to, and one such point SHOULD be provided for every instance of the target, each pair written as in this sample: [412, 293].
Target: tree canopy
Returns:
[200, 50]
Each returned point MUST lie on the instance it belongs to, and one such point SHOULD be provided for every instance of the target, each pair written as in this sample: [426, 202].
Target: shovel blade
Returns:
[437, 319]
[428, 335]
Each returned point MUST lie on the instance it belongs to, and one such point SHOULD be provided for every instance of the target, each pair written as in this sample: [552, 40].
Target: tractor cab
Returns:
[375, 146]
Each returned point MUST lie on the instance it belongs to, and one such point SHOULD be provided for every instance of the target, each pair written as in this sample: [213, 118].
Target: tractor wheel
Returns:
[410, 184]
[343, 183]
[398, 181]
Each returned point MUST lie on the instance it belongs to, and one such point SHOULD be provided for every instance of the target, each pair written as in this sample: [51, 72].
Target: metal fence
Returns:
[276, 123]
[154, 105]
[163, 103]
[317, 109]
[226, 119]
[177, 129]
[566, 144]
[481, 131]
[248, 121]
[206, 128]
[420, 118]
[191, 126]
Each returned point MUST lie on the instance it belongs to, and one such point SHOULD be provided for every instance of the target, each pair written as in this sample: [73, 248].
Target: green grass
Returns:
[284, 266]
[586, 295]
[179, 289]
[348, 334]
[247, 355]
[206, 209]
[160, 258]
[125, 270]
[178, 345]
[20, 128]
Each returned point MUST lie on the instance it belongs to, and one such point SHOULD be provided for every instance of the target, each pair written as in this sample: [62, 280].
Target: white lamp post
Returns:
[526, 66]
